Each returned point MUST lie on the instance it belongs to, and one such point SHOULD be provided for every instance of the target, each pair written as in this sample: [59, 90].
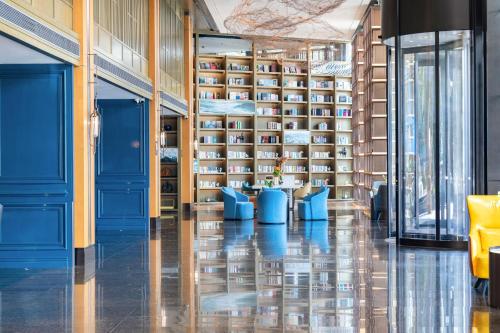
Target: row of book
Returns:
[210, 65]
[344, 99]
[237, 81]
[268, 111]
[212, 124]
[268, 139]
[293, 84]
[209, 155]
[210, 95]
[236, 124]
[238, 168]
[292, 69]
[267, 154]
[267, 82]
[238, 67]
[294, 98]
[232, 139]
[237, 154]
[208, 80]
[321, 168]
[320, 139]
[267, 96]
[321, 98]
[273, 125]
[294, 168]
[345, 85]
[209, 139]
[344, 112]
[239, 95]
[321, 84]
[321, 112]
[272, 68]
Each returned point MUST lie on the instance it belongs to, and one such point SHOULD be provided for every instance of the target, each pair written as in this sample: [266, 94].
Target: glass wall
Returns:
[432, 129]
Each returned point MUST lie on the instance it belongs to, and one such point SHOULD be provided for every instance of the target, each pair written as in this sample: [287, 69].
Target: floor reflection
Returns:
[209, 275]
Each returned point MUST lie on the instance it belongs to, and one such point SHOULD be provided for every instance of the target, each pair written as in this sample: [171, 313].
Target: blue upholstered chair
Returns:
[271, 206]
[316, 232]
[237, 232]
[314, 206]
[272, 240]
[236, 205]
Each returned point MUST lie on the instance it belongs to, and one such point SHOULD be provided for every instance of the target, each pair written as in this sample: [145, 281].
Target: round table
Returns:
[494, 288]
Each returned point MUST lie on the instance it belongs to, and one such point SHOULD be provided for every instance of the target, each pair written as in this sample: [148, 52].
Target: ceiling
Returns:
[302, 19]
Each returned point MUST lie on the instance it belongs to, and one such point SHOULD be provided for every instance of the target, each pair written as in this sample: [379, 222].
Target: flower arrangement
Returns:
[278, 169]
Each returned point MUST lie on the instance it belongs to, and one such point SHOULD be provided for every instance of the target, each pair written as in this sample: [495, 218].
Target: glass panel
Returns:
[418, 125]
[391, 172]
[454, 141]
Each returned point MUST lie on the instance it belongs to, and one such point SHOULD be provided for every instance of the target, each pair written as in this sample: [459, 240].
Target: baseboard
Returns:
[85, 263]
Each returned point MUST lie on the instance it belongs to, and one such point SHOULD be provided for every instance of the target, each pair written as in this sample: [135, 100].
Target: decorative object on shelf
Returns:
[222, 107]
[278, 170]
[169, 155]
[297, 137]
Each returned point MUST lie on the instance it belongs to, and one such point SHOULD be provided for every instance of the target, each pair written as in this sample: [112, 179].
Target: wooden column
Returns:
[83, 94]
[187, 124]
[154, 115]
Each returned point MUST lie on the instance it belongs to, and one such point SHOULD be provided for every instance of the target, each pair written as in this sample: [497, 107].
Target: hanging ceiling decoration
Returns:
[281, 18]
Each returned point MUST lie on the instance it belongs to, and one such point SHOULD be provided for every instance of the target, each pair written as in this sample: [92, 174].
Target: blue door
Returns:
[36, 169]
[122, 166]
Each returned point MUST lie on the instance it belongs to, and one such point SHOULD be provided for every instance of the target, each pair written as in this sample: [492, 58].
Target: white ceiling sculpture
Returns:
[302, 19]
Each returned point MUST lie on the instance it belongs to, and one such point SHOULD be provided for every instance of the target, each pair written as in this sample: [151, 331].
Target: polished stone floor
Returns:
[208, 275]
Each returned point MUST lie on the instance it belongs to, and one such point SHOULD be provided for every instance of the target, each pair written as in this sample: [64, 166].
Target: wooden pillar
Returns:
[154, 115]
[83, 95]
[187, 124]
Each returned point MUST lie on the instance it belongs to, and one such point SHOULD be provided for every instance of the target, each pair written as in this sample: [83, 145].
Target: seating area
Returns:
[272, 205]
[484, 232]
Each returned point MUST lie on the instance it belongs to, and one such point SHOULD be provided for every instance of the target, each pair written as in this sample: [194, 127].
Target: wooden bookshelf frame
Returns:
[339, 178]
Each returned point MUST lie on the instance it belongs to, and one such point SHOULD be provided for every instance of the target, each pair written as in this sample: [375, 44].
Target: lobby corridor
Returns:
[209, 275]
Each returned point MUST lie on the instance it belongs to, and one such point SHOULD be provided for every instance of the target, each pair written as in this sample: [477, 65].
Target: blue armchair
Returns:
[236, 205]
[271, 206]
[314, 206]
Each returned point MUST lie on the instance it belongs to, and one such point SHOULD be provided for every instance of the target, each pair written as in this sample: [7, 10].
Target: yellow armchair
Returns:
[484, 231]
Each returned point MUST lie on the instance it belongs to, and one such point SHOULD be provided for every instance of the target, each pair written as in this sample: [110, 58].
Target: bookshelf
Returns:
[358, 118]
[290, 103]
[370, 102]
[169, 163]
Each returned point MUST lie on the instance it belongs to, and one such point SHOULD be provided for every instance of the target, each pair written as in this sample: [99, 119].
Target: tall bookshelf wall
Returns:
[233, 149]
[358, 117]
[370, 104]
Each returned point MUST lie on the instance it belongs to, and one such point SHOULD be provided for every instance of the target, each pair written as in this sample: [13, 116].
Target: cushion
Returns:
[489, 238]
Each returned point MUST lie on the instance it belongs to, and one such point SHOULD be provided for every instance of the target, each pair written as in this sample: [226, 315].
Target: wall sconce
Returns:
[95, 125]
[163, 138]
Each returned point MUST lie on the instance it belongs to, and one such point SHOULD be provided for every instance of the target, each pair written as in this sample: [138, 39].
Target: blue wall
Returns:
[122, 166]
[36, 165]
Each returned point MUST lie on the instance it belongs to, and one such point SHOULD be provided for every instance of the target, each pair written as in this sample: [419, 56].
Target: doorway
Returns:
[122, 165]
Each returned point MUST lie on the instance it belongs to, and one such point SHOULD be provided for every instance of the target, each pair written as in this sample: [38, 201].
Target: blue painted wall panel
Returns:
[36, 165]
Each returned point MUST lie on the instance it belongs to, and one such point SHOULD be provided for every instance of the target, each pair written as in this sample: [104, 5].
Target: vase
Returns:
[276, 181]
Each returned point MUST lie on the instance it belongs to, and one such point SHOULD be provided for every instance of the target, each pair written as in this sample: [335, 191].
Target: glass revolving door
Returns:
[434, 137]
